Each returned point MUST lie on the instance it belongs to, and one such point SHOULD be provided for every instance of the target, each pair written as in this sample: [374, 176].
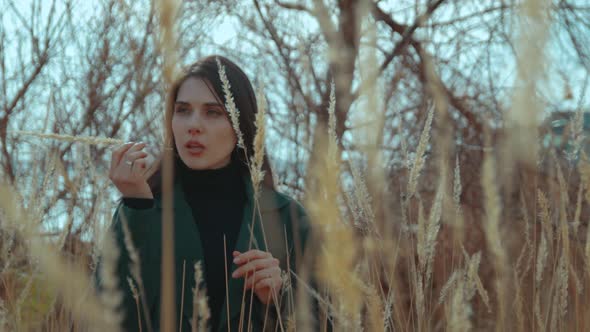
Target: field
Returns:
[451, 217]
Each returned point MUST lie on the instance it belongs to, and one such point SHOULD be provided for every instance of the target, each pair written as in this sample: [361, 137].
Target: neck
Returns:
[224, 182]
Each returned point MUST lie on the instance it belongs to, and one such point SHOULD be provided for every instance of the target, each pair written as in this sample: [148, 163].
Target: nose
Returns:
[195, 124]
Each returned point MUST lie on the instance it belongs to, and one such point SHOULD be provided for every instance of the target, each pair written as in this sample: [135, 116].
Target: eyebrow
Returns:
[213, 104]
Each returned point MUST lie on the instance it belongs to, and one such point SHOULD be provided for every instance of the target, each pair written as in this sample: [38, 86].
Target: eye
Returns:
[213, 112]
[181, 109]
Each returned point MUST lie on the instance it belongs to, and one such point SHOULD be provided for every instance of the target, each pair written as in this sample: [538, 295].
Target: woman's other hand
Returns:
[262, 273]
[130, 169]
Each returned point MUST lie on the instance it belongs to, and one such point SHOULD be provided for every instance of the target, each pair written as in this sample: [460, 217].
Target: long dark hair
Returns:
[245, 100]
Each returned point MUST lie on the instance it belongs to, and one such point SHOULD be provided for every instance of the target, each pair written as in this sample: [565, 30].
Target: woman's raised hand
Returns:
[130, 169]
[262, 273]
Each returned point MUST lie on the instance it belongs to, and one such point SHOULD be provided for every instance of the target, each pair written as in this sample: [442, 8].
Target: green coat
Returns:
[280, 215]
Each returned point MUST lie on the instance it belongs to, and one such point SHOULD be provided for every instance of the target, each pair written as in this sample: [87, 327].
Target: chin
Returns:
[200, 163]
[197, 165]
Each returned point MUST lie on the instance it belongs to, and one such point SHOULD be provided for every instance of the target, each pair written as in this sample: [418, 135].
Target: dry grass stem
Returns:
[457, 190]
[522, 119]
[135, 269]
[403, 142]
[364, 211]
[256, 172]
[492, 208]
[449, 285]
[545, 216]
[460, 311]
[432, 232]
[201, 313]
[136, 298]
[472, 283]
[168, 39]
[332, 136]
[182, 296]
[110, 294]
[577, 134]
[420, 157]
[226, 283]
[69, 280]
[230, 105]
[90, 140]
[518, 302]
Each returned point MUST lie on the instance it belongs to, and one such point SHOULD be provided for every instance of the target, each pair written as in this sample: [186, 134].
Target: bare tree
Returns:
[83, 69]
[303, 45]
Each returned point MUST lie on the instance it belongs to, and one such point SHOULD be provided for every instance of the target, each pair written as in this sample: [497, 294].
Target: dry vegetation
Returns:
[413, 230]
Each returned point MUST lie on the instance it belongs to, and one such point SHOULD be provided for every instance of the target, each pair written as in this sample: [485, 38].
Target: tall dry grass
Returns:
[388, 254]
[529, 271]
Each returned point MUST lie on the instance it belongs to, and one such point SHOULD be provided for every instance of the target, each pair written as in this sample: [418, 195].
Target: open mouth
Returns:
[195, 149]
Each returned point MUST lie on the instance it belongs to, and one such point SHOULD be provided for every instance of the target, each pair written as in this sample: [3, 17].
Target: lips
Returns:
[194, 144]
[194, 147]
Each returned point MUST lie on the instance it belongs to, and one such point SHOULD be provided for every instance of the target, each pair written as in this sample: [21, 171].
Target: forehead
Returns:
[195, 91]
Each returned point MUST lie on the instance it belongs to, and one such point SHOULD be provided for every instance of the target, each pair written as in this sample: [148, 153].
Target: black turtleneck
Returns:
[216, 198]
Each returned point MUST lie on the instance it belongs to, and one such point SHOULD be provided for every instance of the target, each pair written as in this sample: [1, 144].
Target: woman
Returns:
[213, 203]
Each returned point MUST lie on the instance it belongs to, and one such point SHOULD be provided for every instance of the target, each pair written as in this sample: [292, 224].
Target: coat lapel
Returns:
[187, 240]
[187, 248]
[251, 236]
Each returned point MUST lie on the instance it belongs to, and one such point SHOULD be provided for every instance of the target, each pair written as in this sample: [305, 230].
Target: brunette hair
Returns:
[245, 100]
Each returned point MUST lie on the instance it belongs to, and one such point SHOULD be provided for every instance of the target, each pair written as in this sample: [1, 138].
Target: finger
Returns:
[136, 147]
[272, 283]
[118, 153]
[250, 255]
[152, 165]
[132, 150]
[139, 165]
[236, 253]
[257, 276]
[133, 156]
[254, 280]
[257, 264]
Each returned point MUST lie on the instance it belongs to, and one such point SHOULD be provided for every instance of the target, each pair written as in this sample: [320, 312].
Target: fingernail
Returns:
[236, 260]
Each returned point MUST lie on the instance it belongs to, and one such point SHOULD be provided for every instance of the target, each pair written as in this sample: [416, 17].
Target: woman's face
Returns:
[202, 131]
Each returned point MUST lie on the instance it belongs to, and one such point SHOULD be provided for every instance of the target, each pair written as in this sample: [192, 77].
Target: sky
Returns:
[226, 32]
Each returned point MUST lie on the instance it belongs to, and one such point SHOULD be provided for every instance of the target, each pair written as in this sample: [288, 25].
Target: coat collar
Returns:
[269, 199]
